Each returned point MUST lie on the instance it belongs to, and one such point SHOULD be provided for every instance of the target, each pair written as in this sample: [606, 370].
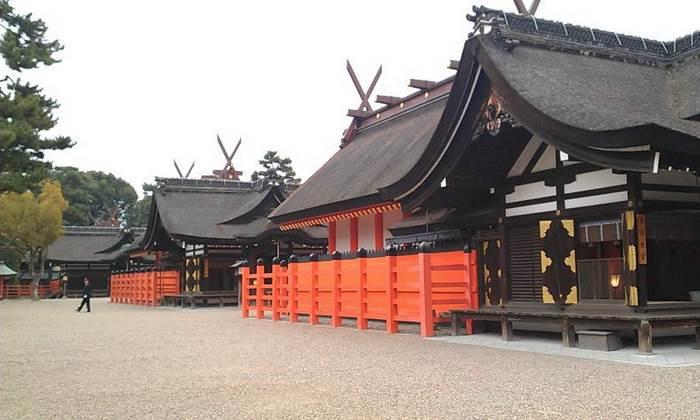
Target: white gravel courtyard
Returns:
[123, 361]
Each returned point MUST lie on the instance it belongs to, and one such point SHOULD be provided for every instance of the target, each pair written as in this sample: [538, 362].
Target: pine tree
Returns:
[25, 112]
[276, 170]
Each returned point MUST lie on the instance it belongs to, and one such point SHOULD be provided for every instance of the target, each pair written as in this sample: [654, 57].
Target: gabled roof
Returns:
[88, 244]
[607, 99]
[377, 156]
[213, 211]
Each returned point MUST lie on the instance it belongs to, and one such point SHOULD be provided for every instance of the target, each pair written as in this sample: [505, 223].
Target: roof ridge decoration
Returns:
[513, 29]
[209, 184]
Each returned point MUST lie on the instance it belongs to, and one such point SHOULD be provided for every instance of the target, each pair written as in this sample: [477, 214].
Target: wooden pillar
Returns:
[336, 293]
[362, 291]
[568, 333]
[354, 234]
[313, 311]
[379, 231]
[275, 291]
[292, 291]
[332, 237]
[391, 325]
[644, 335]
[506, 329]
[426, 293]
[244, 288]
[259, 290]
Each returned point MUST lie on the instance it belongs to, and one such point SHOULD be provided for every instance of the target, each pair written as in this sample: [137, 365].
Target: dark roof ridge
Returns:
[92, 230]
[514, 29]
[211, 183]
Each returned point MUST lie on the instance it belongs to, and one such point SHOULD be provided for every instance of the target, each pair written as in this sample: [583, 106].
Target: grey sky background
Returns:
[144, 82]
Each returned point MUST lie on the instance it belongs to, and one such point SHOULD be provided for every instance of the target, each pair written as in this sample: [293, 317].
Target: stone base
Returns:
[599, 340]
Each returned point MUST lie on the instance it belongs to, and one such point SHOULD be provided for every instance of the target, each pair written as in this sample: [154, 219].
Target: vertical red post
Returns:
[362, 290]
[335, 315]
[154, 293]
[354, 234]
[313, 311]
[244, 287]
[379, 231]
[426, 293]
[292, 270]
[259, 289]
[275, 291]
[332, 229]
[469, 327]
[391, 325]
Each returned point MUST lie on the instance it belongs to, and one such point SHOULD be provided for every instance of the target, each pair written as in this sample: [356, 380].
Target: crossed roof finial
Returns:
[520, 5]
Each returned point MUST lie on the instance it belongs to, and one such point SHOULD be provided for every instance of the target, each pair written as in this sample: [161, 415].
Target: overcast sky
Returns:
[144, 82]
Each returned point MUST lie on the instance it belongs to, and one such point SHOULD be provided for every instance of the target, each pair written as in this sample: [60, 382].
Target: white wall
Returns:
[342, 235]
[365, 229]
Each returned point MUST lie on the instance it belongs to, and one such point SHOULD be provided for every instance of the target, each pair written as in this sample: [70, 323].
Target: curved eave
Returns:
[274, 194]
[469, 95]
[476, 79]
[332, 208]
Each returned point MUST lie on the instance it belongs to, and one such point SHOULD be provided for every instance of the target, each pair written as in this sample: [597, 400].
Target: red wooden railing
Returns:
[415, 288]
[143, 287]
[13, 291]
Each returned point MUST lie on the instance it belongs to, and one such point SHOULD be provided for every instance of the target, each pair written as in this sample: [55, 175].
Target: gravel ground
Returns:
[127, 361]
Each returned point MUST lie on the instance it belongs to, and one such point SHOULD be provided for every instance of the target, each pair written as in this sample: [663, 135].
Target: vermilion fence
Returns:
[416, 287]
[13, 291]
[143, 287]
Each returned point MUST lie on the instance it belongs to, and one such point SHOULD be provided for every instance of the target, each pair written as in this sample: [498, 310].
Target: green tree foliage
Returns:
[30, 223]
[276, 170]
[140, 212]
[94, 197]
[25, 112]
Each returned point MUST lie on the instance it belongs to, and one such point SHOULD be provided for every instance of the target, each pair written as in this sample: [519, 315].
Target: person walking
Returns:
[87, 294]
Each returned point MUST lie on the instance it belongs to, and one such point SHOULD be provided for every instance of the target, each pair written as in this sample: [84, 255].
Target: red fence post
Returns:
[362, 291]
[154, 293]
[391, 325]
[313, 311]
[335, 315]
[275, 292]
[292, 270]
[244, 288]
[469, 256]
[259, 290]
[426, 293]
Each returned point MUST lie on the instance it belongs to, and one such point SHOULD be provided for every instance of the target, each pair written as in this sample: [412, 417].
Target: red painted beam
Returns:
[379, 231]
[332, 237]
[354, 234]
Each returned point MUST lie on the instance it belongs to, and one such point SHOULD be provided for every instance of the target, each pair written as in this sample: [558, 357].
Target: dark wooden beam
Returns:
[421, 84]
[388, 100]
[357, 113]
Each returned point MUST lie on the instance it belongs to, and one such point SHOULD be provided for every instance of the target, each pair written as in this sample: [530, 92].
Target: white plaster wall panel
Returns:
[529, 191]
[525, 157]
[533, 209]
[390, 218]
[671, 178]
[594, 180]
[547, 161]
[596, 200]
[365, 229]
[342, 235]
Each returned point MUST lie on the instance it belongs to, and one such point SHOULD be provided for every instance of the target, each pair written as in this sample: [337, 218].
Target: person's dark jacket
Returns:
[87, 291]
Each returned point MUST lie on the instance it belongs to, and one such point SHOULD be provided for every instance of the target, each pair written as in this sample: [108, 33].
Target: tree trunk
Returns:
[35, 275]
[42, 265]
